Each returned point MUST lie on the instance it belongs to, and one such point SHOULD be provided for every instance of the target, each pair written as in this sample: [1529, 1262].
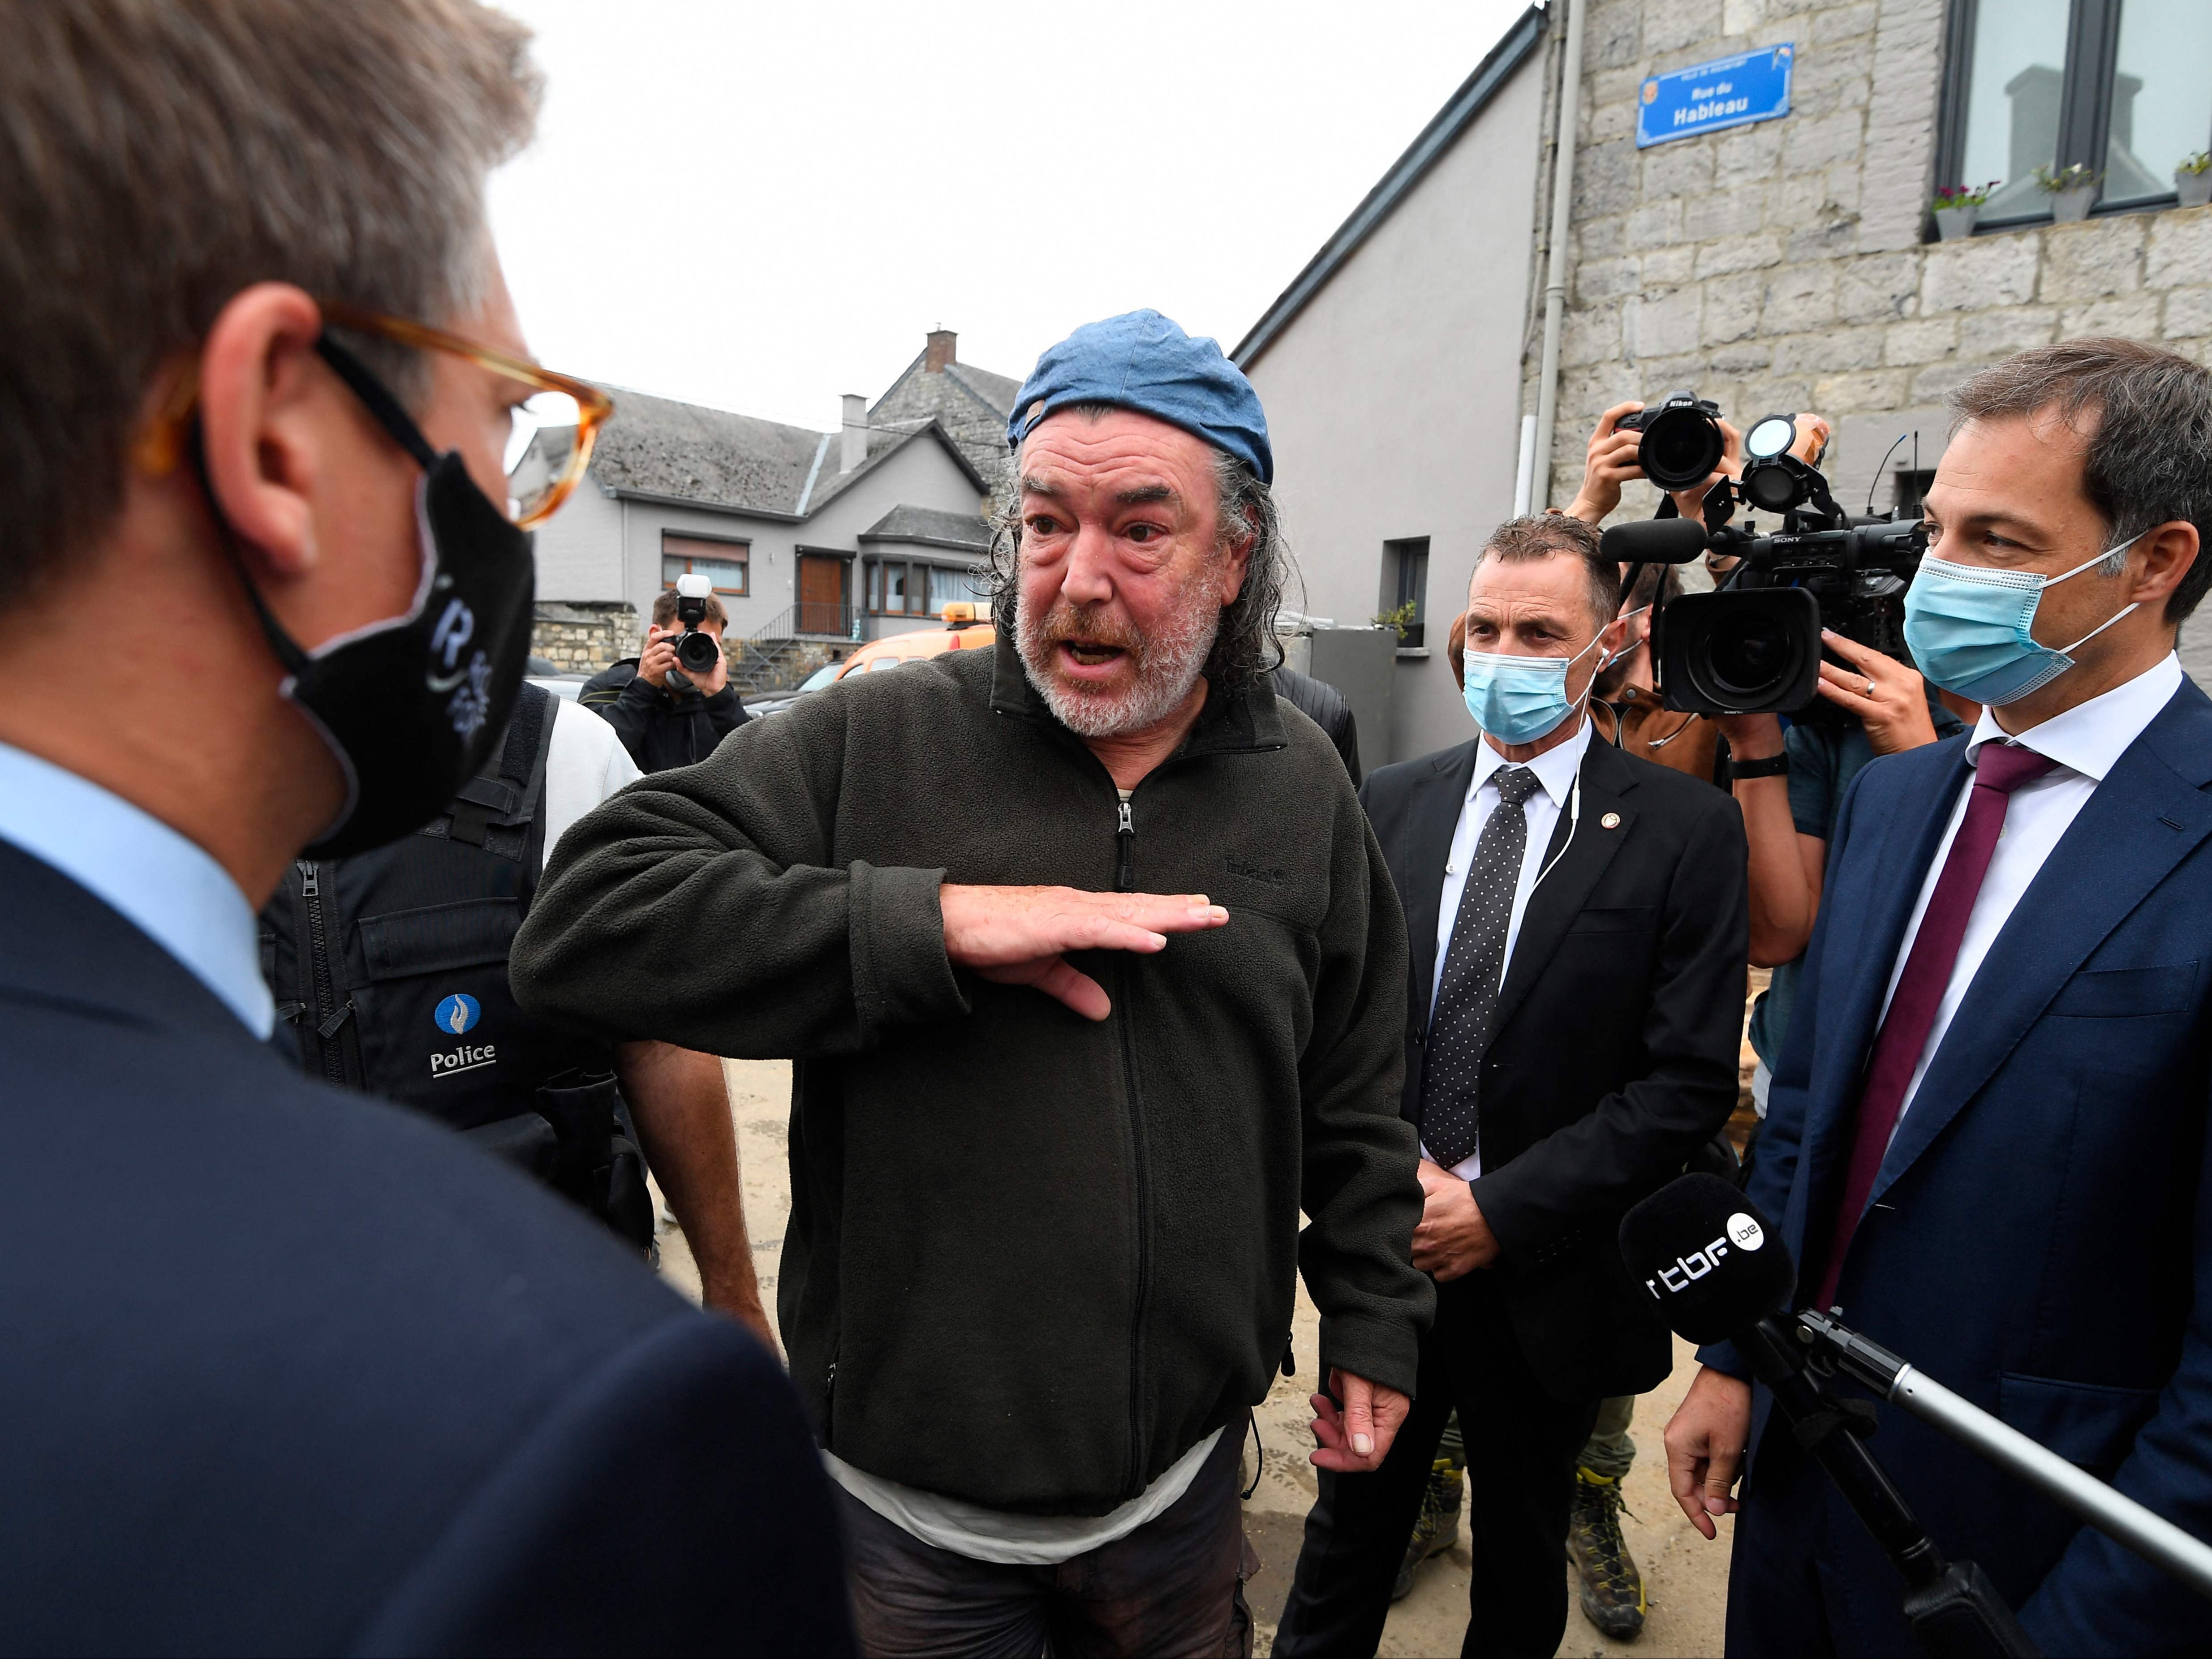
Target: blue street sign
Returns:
[1729, 92]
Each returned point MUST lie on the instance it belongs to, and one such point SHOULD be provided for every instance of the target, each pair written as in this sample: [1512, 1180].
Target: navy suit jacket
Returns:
[284, 1370]
[2039, 1236]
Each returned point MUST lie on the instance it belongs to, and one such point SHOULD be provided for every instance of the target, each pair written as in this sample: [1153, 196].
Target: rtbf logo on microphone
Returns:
[1742, 1231]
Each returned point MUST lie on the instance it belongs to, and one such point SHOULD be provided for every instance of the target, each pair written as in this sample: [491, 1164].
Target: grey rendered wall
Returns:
[768, 578]
[580, 548]
[1393, 399]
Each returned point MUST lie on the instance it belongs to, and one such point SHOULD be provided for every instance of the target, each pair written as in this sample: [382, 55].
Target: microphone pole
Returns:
[1951, 1606]
[2150, 1536]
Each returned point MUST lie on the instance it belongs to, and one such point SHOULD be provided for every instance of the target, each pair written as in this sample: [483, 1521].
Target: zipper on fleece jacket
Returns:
[1125, 881]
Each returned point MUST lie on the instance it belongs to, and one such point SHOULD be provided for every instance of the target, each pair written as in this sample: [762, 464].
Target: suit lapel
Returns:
[1431, 820]
[1587, 849]
[1862, 926]
[2142, 820]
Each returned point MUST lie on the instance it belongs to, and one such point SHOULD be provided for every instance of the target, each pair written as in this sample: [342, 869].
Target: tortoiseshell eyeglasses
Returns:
[553, 428]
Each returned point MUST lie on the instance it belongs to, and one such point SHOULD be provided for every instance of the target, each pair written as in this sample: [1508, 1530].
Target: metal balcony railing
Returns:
[813, 619]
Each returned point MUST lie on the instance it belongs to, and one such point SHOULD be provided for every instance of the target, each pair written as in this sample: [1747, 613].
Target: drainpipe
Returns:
[1555, 281]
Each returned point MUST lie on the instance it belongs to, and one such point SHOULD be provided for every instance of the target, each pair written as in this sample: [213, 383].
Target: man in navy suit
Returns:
[1986, 1136]
[287, 1370]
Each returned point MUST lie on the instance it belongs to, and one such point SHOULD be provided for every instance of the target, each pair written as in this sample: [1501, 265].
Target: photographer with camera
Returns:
[673, 702]
[1985, 1139]
[1617, 444]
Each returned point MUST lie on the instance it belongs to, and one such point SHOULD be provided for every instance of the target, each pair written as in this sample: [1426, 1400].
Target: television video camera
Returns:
[1753, 645]
[695, 650]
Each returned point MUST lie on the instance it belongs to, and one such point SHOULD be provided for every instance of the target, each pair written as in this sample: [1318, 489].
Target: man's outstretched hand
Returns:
[1017, 935]
[1356, 1437]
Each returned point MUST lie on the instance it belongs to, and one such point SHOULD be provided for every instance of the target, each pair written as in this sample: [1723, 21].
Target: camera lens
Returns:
[1680, 448]
[697, 651]
[1749, 655]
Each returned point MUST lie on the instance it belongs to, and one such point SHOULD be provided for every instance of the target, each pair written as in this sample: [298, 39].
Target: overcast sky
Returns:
[760, 207]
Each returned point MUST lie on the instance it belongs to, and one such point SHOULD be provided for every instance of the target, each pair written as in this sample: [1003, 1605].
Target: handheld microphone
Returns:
[1711, 1262]
[1654, 541]
[1717, 1271]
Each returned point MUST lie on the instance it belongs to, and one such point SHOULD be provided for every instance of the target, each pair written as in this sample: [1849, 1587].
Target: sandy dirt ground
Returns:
[1685, 1578]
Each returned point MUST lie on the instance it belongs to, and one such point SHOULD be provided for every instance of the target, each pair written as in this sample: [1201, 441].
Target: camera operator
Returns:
[665, 715]
[1790, 785]
[1985, 1139]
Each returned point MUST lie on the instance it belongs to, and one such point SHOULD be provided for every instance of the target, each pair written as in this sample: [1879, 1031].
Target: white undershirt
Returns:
[2087, 741]
[585, 763]
[1019, 1540]
[1555, 770]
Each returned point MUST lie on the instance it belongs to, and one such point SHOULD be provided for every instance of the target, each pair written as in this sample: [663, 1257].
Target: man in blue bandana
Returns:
[1094, 975]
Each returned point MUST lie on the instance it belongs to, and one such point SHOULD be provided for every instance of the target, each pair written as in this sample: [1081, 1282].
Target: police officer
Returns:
[389, 969]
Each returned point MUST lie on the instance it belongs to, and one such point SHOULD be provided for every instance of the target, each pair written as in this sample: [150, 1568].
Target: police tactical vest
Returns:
[389, 970]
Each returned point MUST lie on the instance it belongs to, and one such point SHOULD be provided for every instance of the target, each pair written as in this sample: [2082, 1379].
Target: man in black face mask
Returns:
[297, 1371]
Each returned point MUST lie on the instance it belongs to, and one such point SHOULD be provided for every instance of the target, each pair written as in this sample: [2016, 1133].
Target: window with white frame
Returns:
[725, 563]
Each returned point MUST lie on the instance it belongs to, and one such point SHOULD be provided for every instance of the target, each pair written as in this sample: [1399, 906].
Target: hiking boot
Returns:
[1437, 1528]
[1611, 1587]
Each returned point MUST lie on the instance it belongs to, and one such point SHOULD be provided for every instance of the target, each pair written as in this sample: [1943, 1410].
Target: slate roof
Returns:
[684, 451]
[928, 525]
[996, 390]
[657, 446]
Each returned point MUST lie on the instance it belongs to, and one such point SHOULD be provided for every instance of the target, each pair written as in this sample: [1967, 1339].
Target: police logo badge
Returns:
[457, 1013]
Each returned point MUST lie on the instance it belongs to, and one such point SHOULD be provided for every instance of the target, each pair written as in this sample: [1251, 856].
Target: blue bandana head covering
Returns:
[1142, 361]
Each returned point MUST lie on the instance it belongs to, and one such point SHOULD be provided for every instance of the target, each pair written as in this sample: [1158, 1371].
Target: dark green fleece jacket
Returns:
[1031, 1259]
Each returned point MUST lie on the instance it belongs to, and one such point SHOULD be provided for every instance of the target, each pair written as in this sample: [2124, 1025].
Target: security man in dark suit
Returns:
[1578, 927]
[288, 1370]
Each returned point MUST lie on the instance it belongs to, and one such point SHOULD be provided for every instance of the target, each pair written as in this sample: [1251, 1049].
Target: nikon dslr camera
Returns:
[695, 650]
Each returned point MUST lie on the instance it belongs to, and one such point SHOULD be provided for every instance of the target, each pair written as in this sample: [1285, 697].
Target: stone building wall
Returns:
[583, 638]
[1780, 266]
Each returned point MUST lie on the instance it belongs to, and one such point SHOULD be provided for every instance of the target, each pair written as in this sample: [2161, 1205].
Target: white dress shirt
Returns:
[2087, 741]
[169, 887]
[1555, 770]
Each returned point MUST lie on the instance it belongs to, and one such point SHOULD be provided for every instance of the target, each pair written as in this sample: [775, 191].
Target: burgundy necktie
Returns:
[1999, 768]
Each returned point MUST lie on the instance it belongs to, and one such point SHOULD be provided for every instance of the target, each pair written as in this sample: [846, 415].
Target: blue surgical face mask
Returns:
[1518, 699]
[1971, 629]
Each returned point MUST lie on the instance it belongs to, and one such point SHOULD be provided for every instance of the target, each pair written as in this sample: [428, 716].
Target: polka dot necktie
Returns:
[1467, 1001]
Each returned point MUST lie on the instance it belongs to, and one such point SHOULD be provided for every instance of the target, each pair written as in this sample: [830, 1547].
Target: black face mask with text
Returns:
[411, 705]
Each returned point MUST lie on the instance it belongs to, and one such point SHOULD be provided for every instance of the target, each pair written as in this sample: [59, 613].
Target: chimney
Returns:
[853, 442]
[944, 348]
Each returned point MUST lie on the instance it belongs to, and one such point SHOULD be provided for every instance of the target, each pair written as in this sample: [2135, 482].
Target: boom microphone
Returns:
[1654, 541]
[1710, 1262]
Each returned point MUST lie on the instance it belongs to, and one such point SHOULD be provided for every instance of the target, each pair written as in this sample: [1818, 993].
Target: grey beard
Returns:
[1168, 664]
